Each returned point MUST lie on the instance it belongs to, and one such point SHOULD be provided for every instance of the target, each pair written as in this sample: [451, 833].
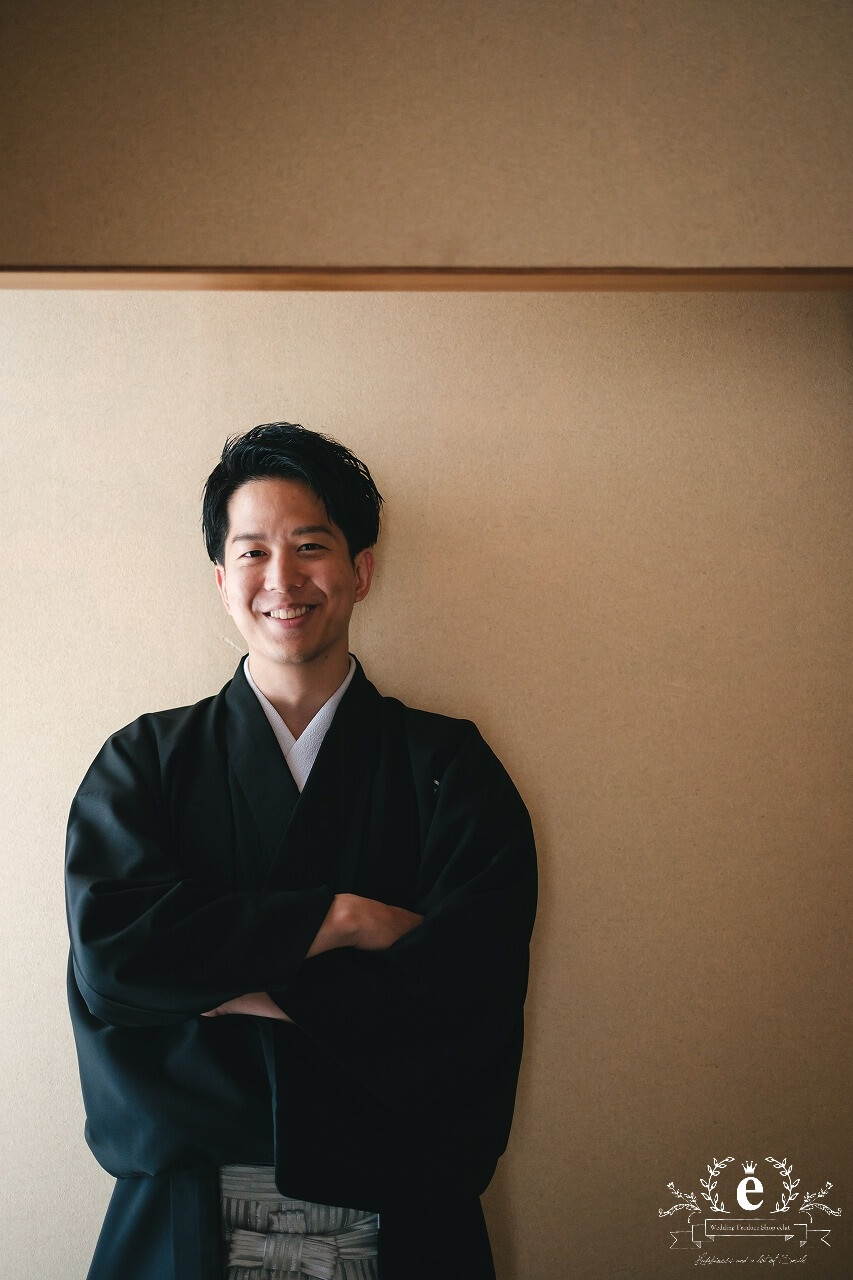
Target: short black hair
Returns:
[289, 451]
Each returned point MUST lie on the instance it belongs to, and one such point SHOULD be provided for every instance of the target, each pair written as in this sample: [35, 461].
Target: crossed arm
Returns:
[351, 921]
[402, 1001]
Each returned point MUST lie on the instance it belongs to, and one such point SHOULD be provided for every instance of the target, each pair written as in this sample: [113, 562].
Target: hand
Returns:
[365, 923]
[259, 1004]
[379, 926]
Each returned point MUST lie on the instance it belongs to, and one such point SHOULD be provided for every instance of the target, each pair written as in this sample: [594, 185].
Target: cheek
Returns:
[237, 597]
[347, 591]
[338, 587]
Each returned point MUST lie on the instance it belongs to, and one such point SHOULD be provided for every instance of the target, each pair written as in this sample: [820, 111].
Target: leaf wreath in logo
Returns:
[811, 1200]
[687, 1200]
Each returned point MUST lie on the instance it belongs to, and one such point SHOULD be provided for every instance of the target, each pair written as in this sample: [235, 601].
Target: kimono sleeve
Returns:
[444, 1004]
[150, 946]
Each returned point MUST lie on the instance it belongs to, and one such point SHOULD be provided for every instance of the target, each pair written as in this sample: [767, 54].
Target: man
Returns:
[299, 917]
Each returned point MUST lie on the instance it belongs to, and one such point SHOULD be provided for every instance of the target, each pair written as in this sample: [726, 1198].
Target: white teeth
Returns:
[289, 613]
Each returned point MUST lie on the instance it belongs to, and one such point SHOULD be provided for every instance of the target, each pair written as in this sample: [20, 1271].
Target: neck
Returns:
[299, 691]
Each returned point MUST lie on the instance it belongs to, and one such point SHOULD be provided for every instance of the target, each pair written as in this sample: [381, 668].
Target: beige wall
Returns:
[426, 132]
[618, 538]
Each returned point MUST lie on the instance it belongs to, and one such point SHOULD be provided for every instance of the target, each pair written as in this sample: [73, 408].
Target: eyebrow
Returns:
[296, 533]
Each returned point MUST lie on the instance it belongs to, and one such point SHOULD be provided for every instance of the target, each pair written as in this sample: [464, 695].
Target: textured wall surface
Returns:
[618, 538]
[426, 132]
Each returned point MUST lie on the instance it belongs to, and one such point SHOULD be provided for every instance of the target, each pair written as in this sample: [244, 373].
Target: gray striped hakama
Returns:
[267, 1234]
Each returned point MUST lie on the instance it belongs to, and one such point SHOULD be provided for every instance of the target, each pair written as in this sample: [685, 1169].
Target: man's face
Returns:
[287, 579]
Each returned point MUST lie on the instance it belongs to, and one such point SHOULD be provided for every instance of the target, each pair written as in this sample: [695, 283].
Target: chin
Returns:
[298, 657]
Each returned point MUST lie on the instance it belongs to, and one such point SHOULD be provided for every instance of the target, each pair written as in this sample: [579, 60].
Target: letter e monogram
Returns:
[747, 1187]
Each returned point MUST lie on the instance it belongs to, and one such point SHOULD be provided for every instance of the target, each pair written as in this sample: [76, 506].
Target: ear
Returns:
[364, 564]
[219, 572]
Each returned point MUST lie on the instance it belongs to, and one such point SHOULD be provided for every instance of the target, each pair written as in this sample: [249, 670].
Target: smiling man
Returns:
[289, 580]
[299, 915]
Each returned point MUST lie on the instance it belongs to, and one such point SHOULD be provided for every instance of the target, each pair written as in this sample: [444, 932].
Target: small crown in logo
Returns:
[749, 1167]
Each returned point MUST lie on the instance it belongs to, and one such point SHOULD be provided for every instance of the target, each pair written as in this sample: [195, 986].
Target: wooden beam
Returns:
[431, 279]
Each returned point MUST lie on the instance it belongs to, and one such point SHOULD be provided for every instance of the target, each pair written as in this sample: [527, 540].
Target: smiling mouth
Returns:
[285, 615]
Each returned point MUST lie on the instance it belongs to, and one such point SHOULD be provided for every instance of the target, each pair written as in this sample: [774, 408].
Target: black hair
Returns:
[290, 452]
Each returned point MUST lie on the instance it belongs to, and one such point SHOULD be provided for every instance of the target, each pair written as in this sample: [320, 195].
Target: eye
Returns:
[248, 554]
[312, 546]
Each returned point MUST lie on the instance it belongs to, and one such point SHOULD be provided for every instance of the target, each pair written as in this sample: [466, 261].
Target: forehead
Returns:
[272, 504]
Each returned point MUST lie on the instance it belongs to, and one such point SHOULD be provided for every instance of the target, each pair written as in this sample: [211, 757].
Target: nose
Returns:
[283, 573]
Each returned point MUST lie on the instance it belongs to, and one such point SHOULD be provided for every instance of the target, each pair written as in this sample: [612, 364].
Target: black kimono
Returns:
[196, 873]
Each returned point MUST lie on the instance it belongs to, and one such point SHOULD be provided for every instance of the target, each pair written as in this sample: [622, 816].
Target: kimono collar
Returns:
[300, 753]
[294, 827]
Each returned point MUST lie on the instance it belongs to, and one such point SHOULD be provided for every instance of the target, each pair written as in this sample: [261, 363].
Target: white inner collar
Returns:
[300, 753]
